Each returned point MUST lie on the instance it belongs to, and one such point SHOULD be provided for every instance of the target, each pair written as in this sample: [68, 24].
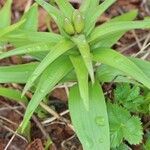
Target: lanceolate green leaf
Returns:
[97, 11]
[16, 73]
[114, 27]
[142, 64]
[38, 47]
[88, 4]
[53, 12]
[84, 49]
[106, 73]
[11, 28]
[22, 38]
[50, 77]
[116, 60]
[13, 95]
[82, 76]
[65, 7]
[109, 41]
[31, 17]
[91, 125]
[5, 14]
[57, 51]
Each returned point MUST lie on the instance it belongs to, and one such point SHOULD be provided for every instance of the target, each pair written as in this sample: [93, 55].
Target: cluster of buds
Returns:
[76, 25]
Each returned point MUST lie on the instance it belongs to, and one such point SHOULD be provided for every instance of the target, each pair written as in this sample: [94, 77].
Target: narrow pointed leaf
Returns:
[122, 63]
[16, 73]
[84, 5]
[31, 17]
[90, 21]
[41, 47]
[84, 49]
[65, 7]
[55, 52]
[118, 26]
[88, 6]
[13, 95]
[142, 64]
[50, 77]
[21, 38]
[91, 126]
[109, 41]
[106, 73]
[11, 28]
[53, 12]
[5, 14]
[82, 76]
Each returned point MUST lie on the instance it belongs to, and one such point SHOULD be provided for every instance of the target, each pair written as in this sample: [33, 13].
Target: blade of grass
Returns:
[50, 77]
[122, 63]
[94, 120]
[57, 51]
[82, 76]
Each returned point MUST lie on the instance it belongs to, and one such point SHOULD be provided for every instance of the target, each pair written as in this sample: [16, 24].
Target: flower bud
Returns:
[68, 27]
[78, 21]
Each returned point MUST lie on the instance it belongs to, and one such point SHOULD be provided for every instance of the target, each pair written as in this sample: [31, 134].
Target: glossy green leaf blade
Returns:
[55, 52]
[91, 126]
[84, 49]
[65, 7]
[31, 17]
[82, 76]
[53, 12]
[118, 26]
[13, 95]
[16, 73]
[21, 38]
[109, 41]
[11, 28]
[50, 77]
[38, 47]
[5, 14]
[88, 4]
[117, 60]
[142, 64]
[97, 11]
[106, 73]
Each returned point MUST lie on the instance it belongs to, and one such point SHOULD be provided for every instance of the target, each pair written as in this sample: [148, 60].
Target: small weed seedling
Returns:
[71, 56]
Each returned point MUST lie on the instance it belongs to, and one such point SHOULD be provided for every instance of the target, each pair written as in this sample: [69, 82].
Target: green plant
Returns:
[78, 47]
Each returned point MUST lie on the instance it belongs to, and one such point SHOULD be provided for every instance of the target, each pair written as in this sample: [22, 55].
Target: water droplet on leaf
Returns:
[100, 121]
[101, 140]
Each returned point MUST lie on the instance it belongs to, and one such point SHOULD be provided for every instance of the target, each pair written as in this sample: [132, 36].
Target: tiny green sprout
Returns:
[78, 21]
[68, 27]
